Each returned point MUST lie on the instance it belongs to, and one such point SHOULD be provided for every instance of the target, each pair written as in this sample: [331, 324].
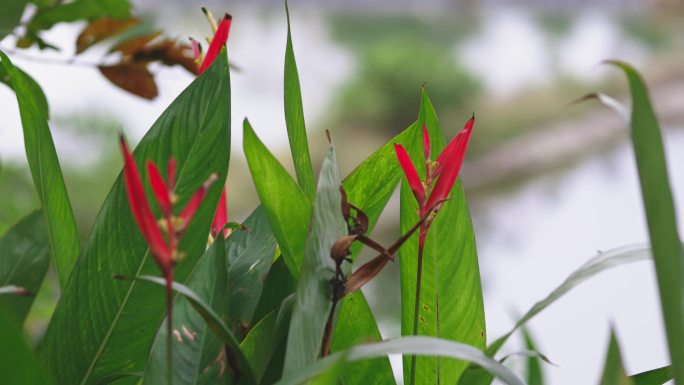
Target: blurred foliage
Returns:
[396, 55]
[16, 187]
[657, 31]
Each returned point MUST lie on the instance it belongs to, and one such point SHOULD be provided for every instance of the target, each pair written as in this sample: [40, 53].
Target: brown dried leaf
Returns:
[101, 29]
[135, 44]
[132, 77]
[365, 273]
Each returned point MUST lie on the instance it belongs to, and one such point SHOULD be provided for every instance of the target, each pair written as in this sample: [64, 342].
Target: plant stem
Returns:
[338, 292]
[419, 275]
[169, 327]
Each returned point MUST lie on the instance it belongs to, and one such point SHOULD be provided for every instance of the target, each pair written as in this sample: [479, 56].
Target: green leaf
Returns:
[535, 374]
[653, 377]
[408, 345]
[237, 360]
[24, 262]
[45, 170]
[18, 365]
[262, 342]
[313, 296]
[10, 15]
[599, 263]
[614, 371]
[660, 215]
[277, 286]
[451, 304]
[195, 348]
[46, 18]
[356, 325]
[250, 253]
[294, 119]
[288, 208]
[109, 325]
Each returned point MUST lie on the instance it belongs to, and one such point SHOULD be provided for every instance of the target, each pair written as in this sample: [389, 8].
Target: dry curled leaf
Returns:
[101, 29]
[132, 77]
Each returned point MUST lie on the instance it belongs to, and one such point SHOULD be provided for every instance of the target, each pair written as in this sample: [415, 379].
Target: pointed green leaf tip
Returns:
[294, 119]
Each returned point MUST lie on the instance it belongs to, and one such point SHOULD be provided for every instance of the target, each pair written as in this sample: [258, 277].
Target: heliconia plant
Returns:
[164, 291]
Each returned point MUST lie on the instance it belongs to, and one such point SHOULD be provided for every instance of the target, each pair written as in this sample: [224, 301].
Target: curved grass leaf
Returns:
[24, 262]
[288, 208]
[451, 304]
[236, 359]
[294, 119]
[196, 351]
[102, 326]
[668, 254]
[356, 325]
[653, 377]
[535, 374]
[45, 170]
[313, 296]
[408, 345]
[277, 286]
[614, 371]
[599, 263]
[262, 342]
[18, 365]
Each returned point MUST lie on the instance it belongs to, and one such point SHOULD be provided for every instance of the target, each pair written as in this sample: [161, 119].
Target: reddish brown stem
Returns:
[169, 326]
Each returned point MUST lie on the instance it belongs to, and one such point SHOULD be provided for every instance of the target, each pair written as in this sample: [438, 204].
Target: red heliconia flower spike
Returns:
[142, 212]
[160, 189]
[450, 165]
[426, 143]
[220, 217]
[411, 173]
[195, 201]
[442, 160]
[217, 42]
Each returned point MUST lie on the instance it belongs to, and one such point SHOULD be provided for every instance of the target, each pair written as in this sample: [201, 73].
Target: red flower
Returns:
[164, 249]
[217, 42]
[440, 174]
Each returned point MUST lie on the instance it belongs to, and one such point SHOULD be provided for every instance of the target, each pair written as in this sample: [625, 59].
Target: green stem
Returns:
[419, 280]
[169, 328]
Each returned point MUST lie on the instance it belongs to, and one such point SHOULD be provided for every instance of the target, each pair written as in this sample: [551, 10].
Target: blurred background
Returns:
[549, 183]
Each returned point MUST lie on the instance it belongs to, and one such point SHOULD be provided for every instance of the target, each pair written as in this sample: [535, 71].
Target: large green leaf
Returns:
[45, 170]
[47, 17]
[234, 356]
[263, 341]
[24, 261]
[451, 304]
[599, 263]
[288, 208]
[668, 253]
[195, 348]
[250, 253]
[294, 119]
[18, 365]
[407, 345]
[10, 16]
[356, 325]
[102, 326]
[653, 377]
[313, 296]
[614, 371]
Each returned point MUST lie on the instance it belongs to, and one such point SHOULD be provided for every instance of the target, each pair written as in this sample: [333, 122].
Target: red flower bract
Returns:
[217, 42]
